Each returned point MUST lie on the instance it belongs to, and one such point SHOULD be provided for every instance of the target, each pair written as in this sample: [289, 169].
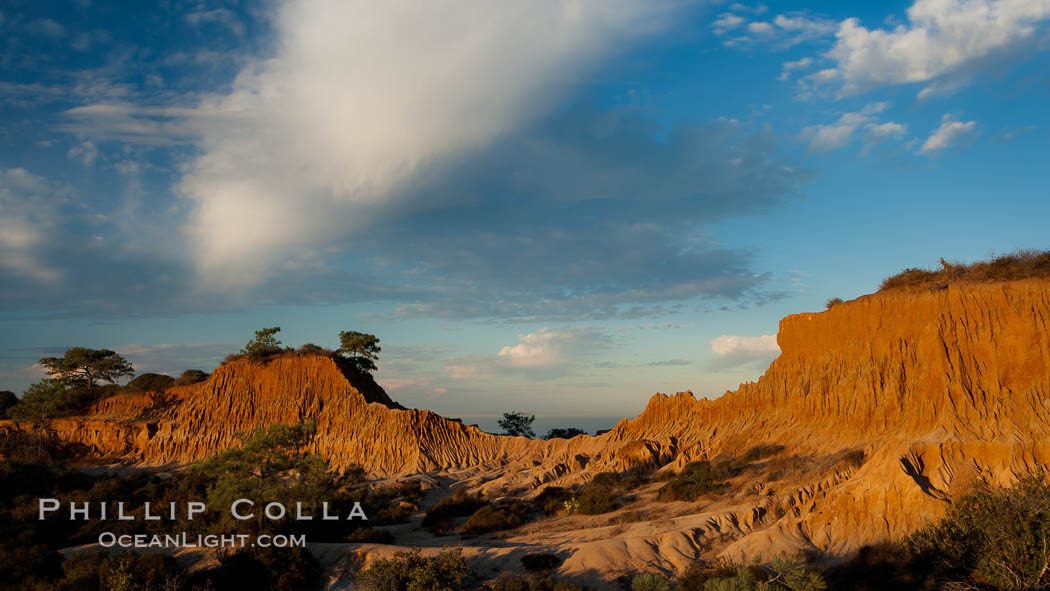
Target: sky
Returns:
[558, 207]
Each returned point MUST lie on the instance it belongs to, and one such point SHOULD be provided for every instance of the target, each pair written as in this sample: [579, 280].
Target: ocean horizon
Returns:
[490, 424]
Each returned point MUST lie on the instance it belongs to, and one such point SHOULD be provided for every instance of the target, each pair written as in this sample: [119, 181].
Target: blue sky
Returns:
[557, 207]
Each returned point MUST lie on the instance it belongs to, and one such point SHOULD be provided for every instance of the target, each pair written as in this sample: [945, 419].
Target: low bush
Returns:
[509, 582]
[551, 500]
[394, 514]
[492, 518]
[190, 376]
[696, 575]
[128, 570]
[650, 582]
[832, 303]
[697, 479]
[595, 501]
[459, 504]
[854, 458]
[411, 571]
[783, 467]
[761, 452]
[780, 574]
[1021, 264]
[368, 535]
[49, 399]
[605, 480]
[150, 382]
[997, 538]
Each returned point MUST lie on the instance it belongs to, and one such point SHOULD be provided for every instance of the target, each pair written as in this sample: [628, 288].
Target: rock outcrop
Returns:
[936, 388]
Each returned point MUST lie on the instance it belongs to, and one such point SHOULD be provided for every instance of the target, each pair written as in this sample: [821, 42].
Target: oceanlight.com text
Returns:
[184, 540]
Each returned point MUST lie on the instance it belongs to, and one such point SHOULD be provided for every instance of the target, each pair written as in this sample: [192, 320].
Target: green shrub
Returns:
[458, 504]
[150, 382]
[595, 501]
[49, 399]
[761, 452]
[1021, 264]
[190, 376]
[371, 536]
[996, 537]
[509, 582]
[696, 575]
[650, 582]
[832, 303]
[552, 499]
[491, 518]
[605, 480]
[854, 458]
[781, 574]
[697, 479]
[411, 571]
[632, 482]
[394, 515]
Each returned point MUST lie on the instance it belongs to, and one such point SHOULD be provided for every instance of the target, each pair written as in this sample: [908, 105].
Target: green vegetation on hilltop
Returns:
[1021, 264]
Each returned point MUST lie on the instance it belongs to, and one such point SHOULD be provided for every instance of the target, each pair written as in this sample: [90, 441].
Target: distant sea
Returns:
[543, 424]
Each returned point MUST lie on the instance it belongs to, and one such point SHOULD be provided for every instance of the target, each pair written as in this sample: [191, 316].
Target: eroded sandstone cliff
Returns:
[936, 388]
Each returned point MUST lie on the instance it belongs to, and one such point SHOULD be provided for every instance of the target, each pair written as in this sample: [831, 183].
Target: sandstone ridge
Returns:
[937, 388]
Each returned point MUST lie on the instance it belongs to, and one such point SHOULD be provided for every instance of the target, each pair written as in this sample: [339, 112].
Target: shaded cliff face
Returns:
[937, 388]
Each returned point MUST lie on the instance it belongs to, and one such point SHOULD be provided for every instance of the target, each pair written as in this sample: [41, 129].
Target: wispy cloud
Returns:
[822, 138]
[949, 133]
[739, 352]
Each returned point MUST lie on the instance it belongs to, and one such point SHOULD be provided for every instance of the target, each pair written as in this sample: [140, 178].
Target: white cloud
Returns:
[944, 43]
[84, 152]
[32, 214]
[736, 352]
[836, 135]
[727, 21]
[784, 31]
[546, 353]
[760, 28]
[728, 344]
[156, 126]
[756, 9]
[549, 346]
[879, 132]
[948, 134]
[363, 100]
[888, 129]
[799, 64]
